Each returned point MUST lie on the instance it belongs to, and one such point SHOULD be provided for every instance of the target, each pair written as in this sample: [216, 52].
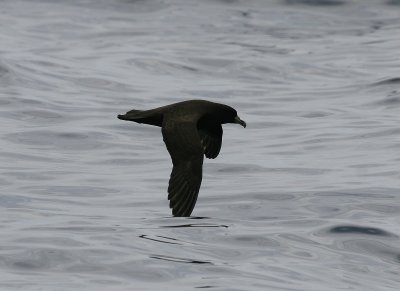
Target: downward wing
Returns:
[184, 146]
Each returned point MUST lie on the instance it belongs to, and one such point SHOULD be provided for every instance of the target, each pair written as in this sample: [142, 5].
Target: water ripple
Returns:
[349, 229]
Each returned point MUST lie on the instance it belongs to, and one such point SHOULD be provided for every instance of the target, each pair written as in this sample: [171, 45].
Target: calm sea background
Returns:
[307, 197]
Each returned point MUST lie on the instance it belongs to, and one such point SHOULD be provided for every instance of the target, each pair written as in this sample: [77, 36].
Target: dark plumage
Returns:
[190, 130]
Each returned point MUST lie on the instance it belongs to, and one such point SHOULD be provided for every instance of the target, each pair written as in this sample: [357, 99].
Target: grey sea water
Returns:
[307, 197]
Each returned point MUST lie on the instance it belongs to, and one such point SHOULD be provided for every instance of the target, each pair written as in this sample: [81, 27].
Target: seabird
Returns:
[190, 129]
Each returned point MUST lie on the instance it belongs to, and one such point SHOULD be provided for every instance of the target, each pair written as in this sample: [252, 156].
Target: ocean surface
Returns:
[307, 197]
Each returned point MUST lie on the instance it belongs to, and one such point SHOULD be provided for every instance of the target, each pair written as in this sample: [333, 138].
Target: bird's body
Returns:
[190, 129]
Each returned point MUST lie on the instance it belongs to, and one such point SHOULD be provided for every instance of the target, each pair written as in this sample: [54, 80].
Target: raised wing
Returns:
[184, 146]
[211, 139]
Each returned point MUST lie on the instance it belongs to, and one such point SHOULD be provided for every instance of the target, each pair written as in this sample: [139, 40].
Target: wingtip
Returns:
[176, 212]
[180, 214]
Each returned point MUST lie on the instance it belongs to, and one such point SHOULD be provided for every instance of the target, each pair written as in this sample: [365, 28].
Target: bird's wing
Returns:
[184, 146]
[211, 139]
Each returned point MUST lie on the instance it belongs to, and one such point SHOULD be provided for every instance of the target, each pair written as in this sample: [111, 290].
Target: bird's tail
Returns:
[152, 117]
[130, 115]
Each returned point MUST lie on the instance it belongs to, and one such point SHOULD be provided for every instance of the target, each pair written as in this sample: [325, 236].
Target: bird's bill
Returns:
[239, 121]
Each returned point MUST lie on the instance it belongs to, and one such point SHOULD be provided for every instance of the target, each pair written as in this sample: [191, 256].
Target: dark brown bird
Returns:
[190, 130]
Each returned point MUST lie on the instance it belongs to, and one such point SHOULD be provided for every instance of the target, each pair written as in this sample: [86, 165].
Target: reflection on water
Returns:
[179, 260]
[306, 198]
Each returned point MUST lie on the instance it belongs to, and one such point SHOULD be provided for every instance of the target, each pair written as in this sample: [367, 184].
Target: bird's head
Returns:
[231, 116]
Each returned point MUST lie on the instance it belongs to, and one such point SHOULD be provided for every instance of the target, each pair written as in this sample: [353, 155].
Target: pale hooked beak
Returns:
[239, 121]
